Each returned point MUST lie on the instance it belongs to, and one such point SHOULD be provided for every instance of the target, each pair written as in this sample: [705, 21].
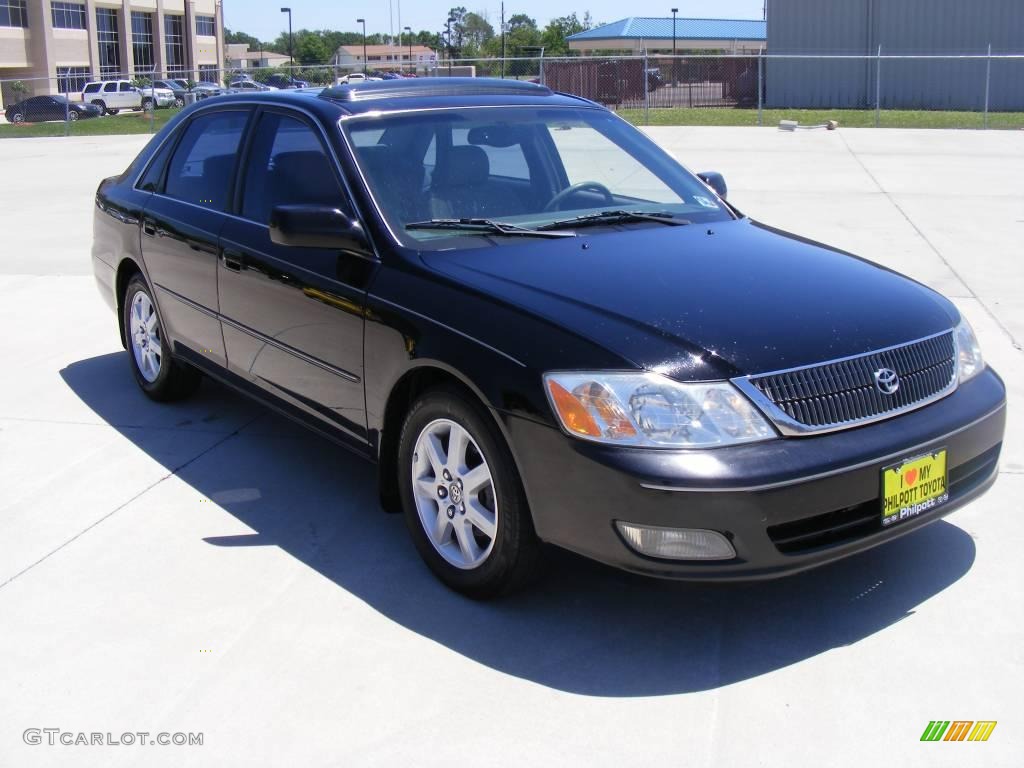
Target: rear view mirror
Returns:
[317, 226]
[716, 181]
[494, 136]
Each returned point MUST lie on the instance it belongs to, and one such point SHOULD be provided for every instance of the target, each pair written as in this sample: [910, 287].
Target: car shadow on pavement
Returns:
[584, 628]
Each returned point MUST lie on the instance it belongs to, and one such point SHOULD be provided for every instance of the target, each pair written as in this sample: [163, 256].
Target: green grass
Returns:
[138, 122]
[111, 125]
[848, 118]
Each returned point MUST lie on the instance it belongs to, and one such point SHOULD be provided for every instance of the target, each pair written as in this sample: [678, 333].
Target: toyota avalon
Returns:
[542, 329]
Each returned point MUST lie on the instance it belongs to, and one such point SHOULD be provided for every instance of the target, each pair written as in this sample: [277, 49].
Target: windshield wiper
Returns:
[485, 226]
[613, 217]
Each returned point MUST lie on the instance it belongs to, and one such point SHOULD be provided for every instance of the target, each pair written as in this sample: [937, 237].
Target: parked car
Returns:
[354, 77]
[39, 109]
[205, 90]
[249, 85]
[543, 329]
[112, 96]
[176, 88]
[286, 81]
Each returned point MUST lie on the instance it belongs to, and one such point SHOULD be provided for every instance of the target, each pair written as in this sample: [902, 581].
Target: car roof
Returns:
[417, 93]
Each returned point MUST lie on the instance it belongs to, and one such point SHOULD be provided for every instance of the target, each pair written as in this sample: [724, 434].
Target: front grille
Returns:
[850, 523]
[843, 393]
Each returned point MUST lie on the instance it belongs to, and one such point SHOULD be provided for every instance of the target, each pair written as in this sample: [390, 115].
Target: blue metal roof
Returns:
[637, 27]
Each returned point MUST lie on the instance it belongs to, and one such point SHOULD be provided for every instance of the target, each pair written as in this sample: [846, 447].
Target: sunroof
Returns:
[433, 86]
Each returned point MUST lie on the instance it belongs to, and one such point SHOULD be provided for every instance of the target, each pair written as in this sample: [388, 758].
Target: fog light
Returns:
[676, 543]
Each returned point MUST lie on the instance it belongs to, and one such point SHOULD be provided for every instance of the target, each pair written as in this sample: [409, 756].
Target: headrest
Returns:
[465, 166]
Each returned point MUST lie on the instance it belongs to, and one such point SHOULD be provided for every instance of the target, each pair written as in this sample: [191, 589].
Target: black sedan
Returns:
[541, 328]
[285, 81]
[40, 109]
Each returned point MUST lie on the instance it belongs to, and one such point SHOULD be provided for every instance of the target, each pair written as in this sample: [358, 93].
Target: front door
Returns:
[293, 317]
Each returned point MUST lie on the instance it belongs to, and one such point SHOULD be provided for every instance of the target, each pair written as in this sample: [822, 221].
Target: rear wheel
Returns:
[158, 374]
[463, 501]
[17, 118]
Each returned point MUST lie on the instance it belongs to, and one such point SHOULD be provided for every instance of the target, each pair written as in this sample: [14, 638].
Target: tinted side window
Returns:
[202, 168]
[110, 88]
[287, 166]
[126, 87]
[92, 88]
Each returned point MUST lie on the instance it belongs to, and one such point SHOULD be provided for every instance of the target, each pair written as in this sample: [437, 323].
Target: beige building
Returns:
[240, 57]
[56, 47]
[382, 56]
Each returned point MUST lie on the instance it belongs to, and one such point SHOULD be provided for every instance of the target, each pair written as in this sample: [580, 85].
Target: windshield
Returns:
[528, 167]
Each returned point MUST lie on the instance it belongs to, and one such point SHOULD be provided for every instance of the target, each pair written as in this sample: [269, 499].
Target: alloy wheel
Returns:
[145, 337]
[454, 494]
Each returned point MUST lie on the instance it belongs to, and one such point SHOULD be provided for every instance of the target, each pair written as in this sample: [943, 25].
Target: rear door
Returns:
[128, 96]
[293, 317]
[182, 223]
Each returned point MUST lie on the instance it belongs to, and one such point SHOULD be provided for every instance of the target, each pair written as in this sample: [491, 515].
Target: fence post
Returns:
[647, 93]
[760, 85]
[878, 88]
[988, 80]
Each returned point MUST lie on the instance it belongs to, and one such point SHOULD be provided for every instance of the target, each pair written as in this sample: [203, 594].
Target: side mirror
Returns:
[716, 181]
[317, 226]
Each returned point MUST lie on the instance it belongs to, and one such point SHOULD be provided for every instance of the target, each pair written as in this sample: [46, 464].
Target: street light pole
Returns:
[448, 26]
[291, 60]
[363, 22]
[412, 68]
[675, 71]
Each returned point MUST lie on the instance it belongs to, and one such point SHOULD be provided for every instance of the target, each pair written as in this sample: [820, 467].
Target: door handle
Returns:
[233, 260]
[149, 227]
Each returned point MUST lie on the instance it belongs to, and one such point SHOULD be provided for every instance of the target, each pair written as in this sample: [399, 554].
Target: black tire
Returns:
[102, 105]
[113, 111]
[147, 104]
[175, 380]
[72, 115]
[179, 102]
[17, 118]
[514, 559]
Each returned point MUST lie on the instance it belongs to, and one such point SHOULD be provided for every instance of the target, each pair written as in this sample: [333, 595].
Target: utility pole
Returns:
[675, 69]
[412, 67]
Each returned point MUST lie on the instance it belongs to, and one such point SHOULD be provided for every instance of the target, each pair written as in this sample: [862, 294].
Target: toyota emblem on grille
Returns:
[887, 381]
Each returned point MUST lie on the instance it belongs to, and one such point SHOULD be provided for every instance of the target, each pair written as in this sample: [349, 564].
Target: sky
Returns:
[263, 18]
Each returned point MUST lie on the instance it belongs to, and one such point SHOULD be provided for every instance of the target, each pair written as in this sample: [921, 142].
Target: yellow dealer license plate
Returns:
[913, 487]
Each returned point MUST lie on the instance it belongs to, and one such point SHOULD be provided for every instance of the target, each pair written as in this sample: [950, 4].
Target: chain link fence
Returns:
[972, 90]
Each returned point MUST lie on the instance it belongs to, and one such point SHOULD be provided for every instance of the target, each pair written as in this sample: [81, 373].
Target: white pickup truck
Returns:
[114, 95]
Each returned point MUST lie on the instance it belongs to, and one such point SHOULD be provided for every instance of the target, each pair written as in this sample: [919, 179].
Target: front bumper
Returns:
[785, 505]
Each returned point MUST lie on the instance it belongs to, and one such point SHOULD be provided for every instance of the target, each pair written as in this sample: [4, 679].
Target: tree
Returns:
[241, 37]
[553, 37]
[311, 49]
[474, 33]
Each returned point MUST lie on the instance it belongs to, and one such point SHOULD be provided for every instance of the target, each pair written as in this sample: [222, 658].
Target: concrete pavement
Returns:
[208, 567]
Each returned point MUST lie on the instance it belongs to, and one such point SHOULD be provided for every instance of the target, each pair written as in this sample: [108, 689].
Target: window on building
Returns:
[174, 37]
[72, 79]
[206, 25]
[208, 73]
[68, 15]
[142, 41]
[13, 13]
[108, 39]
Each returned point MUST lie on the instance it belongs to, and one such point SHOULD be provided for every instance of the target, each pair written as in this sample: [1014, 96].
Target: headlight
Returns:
[968, 352]
[653, 411]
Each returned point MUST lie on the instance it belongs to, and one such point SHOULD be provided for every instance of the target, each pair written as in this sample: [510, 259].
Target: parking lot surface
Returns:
[210, 568]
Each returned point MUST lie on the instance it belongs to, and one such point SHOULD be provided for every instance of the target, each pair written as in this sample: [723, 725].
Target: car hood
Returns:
[705, 301]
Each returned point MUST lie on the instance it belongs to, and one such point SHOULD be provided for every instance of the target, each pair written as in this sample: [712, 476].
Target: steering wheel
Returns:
[569, 191]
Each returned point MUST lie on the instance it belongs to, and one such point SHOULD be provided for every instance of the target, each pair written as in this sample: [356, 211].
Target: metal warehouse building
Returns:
[905, 27]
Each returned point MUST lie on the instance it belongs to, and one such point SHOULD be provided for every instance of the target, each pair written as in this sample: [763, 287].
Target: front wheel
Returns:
[463, 501]
[179, 102]
[72, 115]
[17, 118]
[158, 374]
[147, 104]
